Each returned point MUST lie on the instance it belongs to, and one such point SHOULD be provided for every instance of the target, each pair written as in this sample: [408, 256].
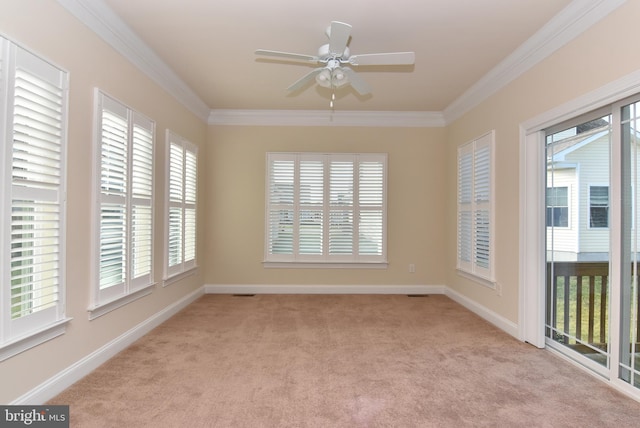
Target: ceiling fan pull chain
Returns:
[333, 97]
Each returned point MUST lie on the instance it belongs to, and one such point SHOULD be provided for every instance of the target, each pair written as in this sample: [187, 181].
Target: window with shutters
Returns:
[325, 208]
[124, 157]
[475, 207]
[33, 118]
[182, 164]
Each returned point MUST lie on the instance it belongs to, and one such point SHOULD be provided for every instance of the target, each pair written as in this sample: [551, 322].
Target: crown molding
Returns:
[96, 15]
[407, 119]
[572, 21]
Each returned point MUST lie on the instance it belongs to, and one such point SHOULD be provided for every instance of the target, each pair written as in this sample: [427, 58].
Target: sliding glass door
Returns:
[629, 351]
[578, 238]
[593, 240]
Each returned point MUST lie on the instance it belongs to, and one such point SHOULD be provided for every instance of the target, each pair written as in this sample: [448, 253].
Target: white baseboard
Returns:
[499, 321]
[323, 289]
[67, 377]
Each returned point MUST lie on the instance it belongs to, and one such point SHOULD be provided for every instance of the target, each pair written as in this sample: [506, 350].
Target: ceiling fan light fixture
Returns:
[324, 78]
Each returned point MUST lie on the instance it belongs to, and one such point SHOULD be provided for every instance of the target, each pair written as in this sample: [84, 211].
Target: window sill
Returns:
[325, 265]
[479, 279]
[31, 340]
[179, 276]
[97, 311]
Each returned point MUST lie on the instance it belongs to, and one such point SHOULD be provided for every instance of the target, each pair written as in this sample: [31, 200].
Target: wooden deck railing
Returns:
[579, 290]
[573, 281]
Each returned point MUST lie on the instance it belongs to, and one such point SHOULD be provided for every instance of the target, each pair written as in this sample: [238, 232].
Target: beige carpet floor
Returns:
[339, 361]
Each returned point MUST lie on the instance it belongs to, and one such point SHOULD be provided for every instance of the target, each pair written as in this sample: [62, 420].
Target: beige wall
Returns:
[235, 183]
[599, 56]
[48, 30]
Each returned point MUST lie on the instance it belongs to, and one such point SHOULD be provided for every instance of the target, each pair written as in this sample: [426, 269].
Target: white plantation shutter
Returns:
[280, 211]
[33, 99]
[311, 211]
[113, 190]
[341, 208]
[182, 163]
[190, 196]
[482, 194]
[125, 236]
[141, 200]
[371, 197]
[325, 208]
[475, 207]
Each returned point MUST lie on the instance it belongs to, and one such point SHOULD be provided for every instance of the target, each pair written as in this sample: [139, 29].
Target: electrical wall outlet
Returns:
[412, 268]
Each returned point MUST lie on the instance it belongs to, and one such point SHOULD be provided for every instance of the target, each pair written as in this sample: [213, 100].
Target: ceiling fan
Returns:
[336, 61]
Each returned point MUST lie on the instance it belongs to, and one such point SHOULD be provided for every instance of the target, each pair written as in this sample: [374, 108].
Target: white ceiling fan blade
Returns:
[392, 58]
[357, 82]
[287, 55]
[304, 79]
[338, 37]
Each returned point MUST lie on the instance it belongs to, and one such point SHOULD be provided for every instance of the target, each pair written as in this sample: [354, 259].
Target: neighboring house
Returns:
[578, 194]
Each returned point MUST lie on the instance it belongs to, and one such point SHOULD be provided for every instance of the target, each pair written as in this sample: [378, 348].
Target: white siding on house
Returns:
[593, 159]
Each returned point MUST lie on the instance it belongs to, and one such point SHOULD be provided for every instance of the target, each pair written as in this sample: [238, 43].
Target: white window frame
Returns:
[43, 184]
[326, 260]
[475, 256]
[132, 286]
[569, 208]
[181, 195]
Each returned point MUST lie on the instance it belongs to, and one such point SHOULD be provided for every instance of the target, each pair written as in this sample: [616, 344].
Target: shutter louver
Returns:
[37, 132]
[176, 164]
[112, 245]
[35, 240]
[113, 154]
[464, 236]
[482, 174]
[175, 236]
[482, 243]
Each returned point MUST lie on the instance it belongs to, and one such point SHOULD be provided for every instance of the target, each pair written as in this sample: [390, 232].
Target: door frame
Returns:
[532, 262]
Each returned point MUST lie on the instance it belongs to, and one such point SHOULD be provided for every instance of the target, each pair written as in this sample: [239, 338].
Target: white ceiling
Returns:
[210, 46]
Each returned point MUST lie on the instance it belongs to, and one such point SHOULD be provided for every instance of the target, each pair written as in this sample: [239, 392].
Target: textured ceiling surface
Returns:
[211, 45]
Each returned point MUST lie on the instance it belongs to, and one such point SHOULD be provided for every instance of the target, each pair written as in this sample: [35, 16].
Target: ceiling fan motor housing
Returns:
[324, 53]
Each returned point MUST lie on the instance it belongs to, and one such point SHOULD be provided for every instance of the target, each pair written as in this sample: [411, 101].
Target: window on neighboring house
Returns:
[557, 207]
[598, 206]
[475, 207]
[181, 199]
[33, 123]
[124, 156]
[326, 208]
